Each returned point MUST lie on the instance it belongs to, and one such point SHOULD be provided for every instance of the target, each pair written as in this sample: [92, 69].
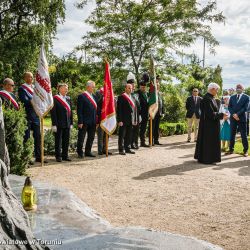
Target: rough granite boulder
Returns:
[15, 232]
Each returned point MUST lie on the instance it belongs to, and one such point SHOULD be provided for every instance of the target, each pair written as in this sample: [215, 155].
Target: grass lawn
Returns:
[47, 122]
[238, 148]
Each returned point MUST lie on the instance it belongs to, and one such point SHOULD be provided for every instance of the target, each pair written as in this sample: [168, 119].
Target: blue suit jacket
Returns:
[86, 112]
[239, 108]
[30, 112]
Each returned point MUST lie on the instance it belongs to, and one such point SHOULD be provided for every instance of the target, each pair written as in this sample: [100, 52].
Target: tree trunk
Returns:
[15, 231]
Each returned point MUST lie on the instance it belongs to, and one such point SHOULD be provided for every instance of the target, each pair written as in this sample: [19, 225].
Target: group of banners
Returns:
[42, 99]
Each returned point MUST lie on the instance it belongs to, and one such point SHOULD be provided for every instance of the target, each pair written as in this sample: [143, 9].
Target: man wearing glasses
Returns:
[193, 113]
[7, 96]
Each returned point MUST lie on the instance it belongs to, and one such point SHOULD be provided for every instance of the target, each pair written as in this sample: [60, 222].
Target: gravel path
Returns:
[165, 189]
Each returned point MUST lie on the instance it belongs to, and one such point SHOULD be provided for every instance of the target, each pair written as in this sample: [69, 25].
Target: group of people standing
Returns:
[131, 108]
[218, 122]
[25, 93]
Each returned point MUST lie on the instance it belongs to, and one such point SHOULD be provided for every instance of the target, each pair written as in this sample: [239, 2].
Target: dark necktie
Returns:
[238, 96]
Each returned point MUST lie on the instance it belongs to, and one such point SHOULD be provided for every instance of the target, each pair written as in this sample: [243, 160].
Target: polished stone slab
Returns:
[66, 222]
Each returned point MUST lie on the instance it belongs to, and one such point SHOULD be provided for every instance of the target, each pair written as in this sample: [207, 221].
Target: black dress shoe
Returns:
[144, 145]
[133, 147]
[39, 160]
[100, 153]
[136, 147]
[31, 162]
[58, 159]
[80, 156]
[66, 159]
[157, 143]
[129, 151]
[89, 155]
[122, 153]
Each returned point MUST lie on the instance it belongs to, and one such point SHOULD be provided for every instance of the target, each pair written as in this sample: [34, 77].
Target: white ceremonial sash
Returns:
[90, 98]
[64, 103]
[28, 89]
[7, 95]
[129, 99]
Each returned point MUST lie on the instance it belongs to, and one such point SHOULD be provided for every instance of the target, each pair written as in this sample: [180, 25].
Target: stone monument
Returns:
[15, 231]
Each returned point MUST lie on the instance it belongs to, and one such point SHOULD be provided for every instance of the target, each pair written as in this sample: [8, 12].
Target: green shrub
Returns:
[174, 108]
[49, 141]
[20, 154]
[181, 128]
[167, 129]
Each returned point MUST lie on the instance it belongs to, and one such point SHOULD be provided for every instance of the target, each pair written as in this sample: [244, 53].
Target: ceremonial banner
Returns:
[153, 95]
[42, 100]
[108, 115]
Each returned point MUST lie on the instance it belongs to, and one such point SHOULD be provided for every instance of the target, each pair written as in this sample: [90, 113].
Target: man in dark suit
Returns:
[238, 106]
[7, 96]
[125, 109]
[87, 117]
[136, 116]
[193, 113]
[25, 93]
[62, 122]
[143, 99]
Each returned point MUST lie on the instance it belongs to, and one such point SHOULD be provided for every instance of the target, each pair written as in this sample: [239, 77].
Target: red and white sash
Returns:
[129, 99]
[64, 103]
[28, 89]
[90, 98]
[8, 96]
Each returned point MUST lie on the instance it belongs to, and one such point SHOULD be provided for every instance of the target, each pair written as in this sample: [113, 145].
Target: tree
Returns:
[128, 30]
[24, 25]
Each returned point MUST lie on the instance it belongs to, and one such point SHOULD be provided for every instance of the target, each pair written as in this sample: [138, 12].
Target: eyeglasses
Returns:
[12, 85]
[195, 91]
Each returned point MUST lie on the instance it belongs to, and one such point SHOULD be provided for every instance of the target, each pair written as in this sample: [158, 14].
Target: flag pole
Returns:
[42, 142]
[151, 132]
[107, 144]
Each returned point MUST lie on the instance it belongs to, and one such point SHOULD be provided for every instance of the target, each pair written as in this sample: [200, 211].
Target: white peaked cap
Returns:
[130, 76]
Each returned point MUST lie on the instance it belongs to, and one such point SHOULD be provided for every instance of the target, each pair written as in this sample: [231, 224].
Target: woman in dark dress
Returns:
[208, 148]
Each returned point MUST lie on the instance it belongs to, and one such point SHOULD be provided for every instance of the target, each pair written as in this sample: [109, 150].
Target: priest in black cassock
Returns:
[208, 148]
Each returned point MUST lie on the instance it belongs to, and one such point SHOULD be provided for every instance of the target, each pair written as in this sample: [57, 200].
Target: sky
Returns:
[233, 53]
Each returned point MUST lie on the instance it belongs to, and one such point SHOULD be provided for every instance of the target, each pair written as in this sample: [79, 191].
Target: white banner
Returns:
[42, 98]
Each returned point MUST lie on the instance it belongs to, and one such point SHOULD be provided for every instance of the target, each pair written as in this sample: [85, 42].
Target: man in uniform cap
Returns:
[238, 106]
[7, 96]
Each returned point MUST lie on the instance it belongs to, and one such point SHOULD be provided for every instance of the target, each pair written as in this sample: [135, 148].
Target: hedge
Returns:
[49, 141]
[167, 129]
[20, 153]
